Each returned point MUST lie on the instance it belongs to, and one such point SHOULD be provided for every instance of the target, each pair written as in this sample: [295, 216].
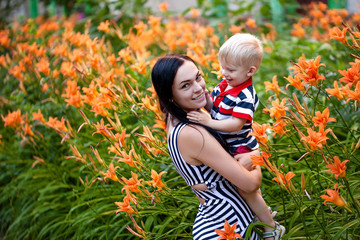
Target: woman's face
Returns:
[188, 88]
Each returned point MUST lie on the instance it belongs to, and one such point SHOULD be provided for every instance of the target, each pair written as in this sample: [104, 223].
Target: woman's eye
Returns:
[186, 85]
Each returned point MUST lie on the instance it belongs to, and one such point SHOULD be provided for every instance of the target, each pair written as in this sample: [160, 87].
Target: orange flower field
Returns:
[83, 152]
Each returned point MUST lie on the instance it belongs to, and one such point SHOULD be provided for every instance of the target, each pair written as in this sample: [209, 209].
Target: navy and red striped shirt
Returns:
[240, 102]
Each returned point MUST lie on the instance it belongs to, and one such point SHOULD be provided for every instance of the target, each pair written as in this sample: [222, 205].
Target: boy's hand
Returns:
[209, 101]
[199, 116]
[245, 159]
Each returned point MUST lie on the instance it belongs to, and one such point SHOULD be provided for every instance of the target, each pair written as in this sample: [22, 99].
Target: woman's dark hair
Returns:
[162, 76]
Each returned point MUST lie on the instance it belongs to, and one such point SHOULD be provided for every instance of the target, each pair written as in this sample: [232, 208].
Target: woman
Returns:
[198, 152]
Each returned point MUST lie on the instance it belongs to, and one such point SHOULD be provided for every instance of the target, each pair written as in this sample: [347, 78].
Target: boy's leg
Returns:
[259, 207]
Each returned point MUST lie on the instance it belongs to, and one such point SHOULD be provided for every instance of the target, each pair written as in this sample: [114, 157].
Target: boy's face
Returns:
[236, 75]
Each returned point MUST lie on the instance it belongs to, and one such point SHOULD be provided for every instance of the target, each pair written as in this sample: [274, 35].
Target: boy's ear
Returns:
[252, 71]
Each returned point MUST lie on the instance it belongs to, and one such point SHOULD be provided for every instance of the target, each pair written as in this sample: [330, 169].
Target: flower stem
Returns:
[351, 196]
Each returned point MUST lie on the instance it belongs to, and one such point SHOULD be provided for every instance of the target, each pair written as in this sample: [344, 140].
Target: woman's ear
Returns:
[252, 70]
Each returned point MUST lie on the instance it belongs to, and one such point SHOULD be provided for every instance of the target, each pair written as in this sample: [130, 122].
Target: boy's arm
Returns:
[228, 125]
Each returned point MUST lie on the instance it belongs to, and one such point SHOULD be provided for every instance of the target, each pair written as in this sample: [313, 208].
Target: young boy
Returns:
[232, 105]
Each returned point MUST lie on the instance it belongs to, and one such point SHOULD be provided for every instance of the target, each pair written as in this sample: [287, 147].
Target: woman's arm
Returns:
[197, 146]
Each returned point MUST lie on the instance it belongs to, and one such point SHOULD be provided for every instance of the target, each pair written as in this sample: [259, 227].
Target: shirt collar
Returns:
[236, 90]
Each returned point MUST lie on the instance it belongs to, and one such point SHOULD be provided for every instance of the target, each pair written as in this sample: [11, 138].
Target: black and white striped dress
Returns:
[222, 201]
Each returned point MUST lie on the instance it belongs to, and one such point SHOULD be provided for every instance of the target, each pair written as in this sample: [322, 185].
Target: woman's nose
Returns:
[198, 87]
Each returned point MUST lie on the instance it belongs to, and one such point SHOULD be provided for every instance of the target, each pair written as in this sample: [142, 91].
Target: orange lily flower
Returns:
[279, 128]
[43, 66]
[163, 7]
[278, 109]
[284, 180]
[125, 54]
[333, 196]
[310, 73]
[140, 66]
[156, 179]
[194, 12]
[335, 92]
[235, 29]
[44, 87]
[259, 131]
[296, 82]
[316, 13]
[274, 86]
[2, 61]
[91, 93]
[13, 119]
[262, 160]
[4, 39]
[337, 34]
[127, 158]
[104, 26]
[103, 129]
[154, 21]
[316, 139]
[57, 124]
[77, 55]
[16, 71]
[112, 60]
[99, 110]
[32, 48]
[67, 69]
[27, 130]
[60, 50]
[351, 75]
[120, 137]
[298, 30]
[323, 118]
[250, 23]
[72, 94]
[132, 184]
[305, 21]
[124, 206]
[337, 167]
[354, 95]
[159, 124]
[228, 232]
[114, 149]
[111, 173]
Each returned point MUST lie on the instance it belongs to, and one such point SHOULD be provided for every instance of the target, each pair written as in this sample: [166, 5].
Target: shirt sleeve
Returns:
[245, 107]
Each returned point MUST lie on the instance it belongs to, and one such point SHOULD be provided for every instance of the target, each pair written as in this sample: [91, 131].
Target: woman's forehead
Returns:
[187, 71]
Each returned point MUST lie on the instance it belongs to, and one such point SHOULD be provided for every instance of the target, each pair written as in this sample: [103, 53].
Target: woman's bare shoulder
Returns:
[191, 140]
[194, 134]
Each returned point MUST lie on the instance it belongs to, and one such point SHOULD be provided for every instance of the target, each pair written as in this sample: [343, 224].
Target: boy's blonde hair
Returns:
[242, 49]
